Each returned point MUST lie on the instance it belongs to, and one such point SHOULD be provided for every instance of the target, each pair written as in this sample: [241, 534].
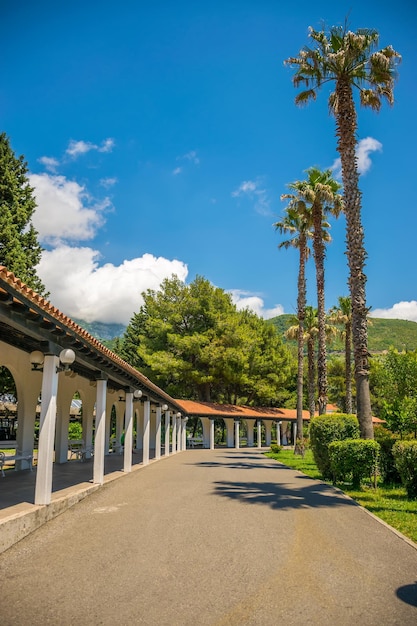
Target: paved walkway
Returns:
[216, 538]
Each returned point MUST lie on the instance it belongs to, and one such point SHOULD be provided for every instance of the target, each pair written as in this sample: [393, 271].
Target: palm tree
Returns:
[320, 192]
[351, 60]
[296, 223]
[310, 334]
[341, 315]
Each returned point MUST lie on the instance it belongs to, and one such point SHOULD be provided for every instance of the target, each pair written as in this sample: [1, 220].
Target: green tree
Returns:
[320, 194]
[350, 60]
[297, 224]
[191, 340]
[20, 251]
[394, 386]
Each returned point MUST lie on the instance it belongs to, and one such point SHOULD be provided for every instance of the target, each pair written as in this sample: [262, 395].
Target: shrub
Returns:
[75, 430]
[353, 458]
[405, 457]
[327, 428]
[387, 468]
[275, 448]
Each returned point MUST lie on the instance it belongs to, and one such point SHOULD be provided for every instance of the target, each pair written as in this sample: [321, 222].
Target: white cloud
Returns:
[246, 300]
[62, 212]
[50, 163]
[177, 171]
[399, 311]
[253, 190]
[81, 288]
[191, 156]
[364, 148]
[76, 148]
[108, 182]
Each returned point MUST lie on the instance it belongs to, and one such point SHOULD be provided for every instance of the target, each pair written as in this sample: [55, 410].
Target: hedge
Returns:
[405, 457]
[354, 459]
[327, 428]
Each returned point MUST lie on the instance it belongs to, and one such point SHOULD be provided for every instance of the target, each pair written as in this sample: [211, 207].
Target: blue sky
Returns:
[161, 135]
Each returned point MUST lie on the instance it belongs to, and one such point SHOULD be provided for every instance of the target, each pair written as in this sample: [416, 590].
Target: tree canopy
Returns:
[192, 341]
[20, 251]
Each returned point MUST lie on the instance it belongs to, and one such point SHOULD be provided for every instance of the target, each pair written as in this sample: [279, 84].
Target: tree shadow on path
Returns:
[283, 496]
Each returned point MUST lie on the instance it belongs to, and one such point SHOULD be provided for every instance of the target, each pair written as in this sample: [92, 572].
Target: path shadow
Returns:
[281, 496]
[408, 594]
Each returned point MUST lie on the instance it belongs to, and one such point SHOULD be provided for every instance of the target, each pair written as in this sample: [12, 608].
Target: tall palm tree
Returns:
[310, 334]
[296, 223]
[351, 60]
[320, 192]
[341, 315]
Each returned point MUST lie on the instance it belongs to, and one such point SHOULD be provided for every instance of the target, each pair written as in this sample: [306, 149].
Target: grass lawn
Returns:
[390, 503]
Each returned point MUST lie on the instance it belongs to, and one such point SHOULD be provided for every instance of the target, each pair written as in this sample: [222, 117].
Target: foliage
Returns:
[20, 251]
[405, 457]
[387, 468]
[192, 341]
[275, 448]
[75, 430]
[394, 387]
[353, 458]
[327, 428]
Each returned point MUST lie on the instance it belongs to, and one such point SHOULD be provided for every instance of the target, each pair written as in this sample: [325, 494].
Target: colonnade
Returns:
[233, 437]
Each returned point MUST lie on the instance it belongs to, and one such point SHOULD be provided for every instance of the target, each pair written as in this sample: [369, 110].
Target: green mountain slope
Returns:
[382, 334]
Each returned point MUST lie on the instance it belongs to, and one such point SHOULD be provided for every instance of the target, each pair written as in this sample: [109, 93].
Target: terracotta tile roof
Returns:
[41, 303]
[213, 409]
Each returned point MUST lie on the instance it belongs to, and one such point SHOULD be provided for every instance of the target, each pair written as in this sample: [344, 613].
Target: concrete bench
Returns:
[5, 459]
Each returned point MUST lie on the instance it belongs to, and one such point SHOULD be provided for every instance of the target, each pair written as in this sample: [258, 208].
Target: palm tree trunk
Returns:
[346, 132]
[348, 373]
[311, 373]
[318, 248]
[301, 304]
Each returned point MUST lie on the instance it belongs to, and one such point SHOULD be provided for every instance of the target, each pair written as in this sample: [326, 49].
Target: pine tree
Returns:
[20, 251]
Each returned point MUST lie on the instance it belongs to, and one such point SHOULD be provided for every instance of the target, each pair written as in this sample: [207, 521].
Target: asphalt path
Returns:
[219, 538]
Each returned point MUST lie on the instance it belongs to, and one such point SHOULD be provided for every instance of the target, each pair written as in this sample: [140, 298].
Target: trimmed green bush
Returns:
[327, 428]
[405, 457]
[387, 469]
[275, 448]
[353, 459]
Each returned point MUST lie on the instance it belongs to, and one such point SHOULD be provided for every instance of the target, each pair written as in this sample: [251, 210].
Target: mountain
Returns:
[101, 331]
[382, 334]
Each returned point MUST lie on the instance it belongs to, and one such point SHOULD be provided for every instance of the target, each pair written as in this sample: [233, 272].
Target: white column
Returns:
[278, 433]
[146, 429]
[179, 432]
[259, 433]
[294, 431]
[43, 488]
[184, 433]
[100, 432]
[229, 421]
[237, 440]
[205, 423]
[250, 423]
[158, 433]
[174, 433]
[139, 426]
[268, 432]
[128, 445]
[212, 434]
[167, 433]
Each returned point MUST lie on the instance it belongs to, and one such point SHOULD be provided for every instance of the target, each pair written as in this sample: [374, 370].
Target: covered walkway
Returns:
[222, 537]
